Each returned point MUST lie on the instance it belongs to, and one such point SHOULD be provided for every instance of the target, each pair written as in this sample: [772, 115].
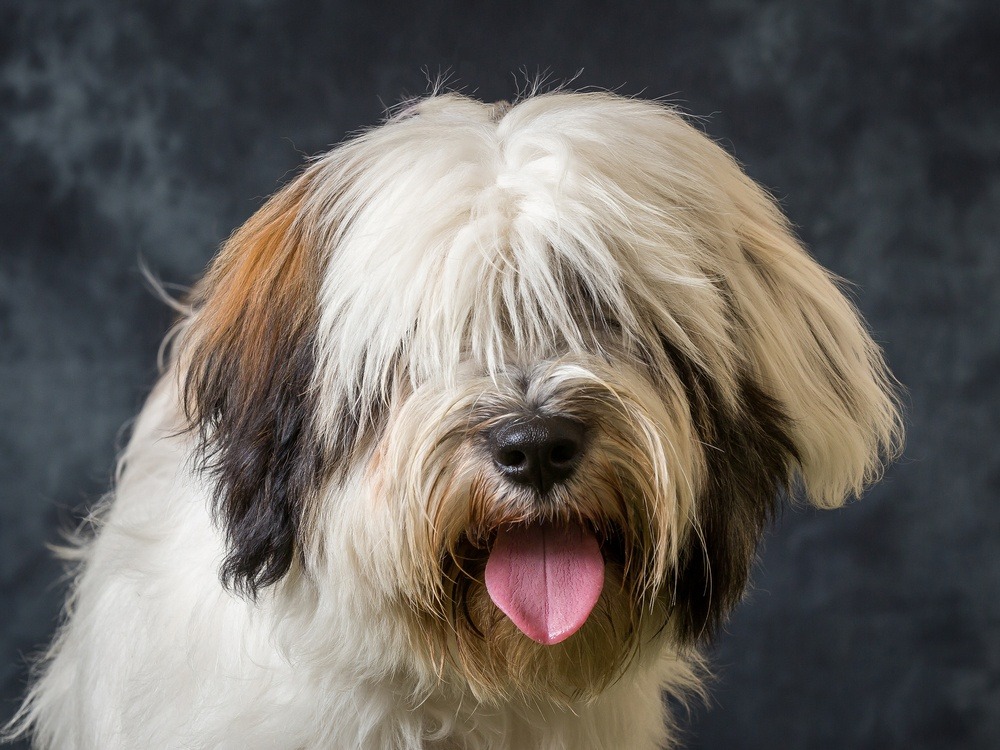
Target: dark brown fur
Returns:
[249, 387]
[749, 456]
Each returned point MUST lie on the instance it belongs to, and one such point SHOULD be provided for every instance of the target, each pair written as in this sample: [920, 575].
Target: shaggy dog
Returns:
[467, 441]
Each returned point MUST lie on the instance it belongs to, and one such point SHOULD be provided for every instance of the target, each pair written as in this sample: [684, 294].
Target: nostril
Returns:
[512, 458]
[563, 452]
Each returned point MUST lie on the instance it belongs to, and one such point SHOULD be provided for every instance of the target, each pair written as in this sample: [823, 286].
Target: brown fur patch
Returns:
[248, 386]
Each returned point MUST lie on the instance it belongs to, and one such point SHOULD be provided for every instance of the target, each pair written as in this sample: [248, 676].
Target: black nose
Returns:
[538, 451]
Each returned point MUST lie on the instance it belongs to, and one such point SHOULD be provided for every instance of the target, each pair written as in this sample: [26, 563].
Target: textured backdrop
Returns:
[148, 130]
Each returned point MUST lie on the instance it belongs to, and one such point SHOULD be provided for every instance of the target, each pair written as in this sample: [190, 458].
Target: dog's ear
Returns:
[247, 361]
[749, 457]
[810, 351]
[814, 398]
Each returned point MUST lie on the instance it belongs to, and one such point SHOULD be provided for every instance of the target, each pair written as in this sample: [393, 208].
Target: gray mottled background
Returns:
[149, 130]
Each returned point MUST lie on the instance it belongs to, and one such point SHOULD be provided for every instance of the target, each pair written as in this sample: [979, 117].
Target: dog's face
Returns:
[539, 375]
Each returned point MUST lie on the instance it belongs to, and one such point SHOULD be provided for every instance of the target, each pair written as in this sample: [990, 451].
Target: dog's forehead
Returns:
[464, 231]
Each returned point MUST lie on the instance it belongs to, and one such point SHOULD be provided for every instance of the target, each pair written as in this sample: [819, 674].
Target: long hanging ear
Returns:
[247, 362]
[811, 351]
[816, 399]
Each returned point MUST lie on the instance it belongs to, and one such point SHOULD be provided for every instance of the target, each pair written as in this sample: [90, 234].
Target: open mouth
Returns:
[546, 577]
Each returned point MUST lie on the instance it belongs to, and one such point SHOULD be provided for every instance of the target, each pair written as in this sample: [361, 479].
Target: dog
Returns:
[467, 440]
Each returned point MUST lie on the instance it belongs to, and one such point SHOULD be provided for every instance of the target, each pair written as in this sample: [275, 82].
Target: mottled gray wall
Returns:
[149, 130]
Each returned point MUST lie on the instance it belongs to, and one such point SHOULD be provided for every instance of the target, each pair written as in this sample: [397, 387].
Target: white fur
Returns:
[445, 236]
[158, 655]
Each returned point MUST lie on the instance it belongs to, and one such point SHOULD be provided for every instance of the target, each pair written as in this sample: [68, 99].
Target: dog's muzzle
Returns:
[545, 576]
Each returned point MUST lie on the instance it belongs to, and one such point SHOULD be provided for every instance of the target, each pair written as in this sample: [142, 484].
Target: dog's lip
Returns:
[608, 534]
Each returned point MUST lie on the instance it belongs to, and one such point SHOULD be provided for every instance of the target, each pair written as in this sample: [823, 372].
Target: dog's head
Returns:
[537, 375]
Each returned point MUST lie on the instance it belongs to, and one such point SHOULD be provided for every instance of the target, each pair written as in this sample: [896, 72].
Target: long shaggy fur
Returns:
[293, 556]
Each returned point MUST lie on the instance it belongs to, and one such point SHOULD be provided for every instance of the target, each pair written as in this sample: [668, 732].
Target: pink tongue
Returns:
[546, 578]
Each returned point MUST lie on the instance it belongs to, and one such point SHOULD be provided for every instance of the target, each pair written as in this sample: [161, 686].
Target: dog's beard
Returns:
[497, 658]
[630, 491]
